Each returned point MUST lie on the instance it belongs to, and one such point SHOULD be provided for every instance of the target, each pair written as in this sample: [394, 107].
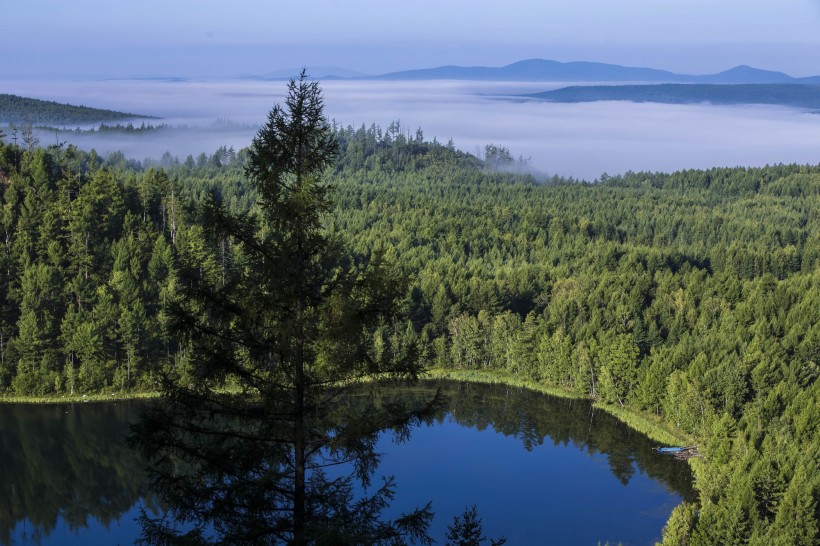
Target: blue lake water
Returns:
[552, 493]
[539, 469]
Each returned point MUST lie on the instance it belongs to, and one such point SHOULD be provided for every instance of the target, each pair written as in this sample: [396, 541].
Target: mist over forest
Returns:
[581, 140]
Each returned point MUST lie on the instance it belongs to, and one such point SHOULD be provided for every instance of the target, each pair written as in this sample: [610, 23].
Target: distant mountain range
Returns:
[800, 96]
[540, 70]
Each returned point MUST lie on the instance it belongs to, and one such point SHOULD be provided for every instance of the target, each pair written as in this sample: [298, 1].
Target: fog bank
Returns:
[580, 140]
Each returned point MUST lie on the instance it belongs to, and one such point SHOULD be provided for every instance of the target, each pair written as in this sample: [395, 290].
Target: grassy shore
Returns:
[651, 425]
[73, 398]
[497, 377]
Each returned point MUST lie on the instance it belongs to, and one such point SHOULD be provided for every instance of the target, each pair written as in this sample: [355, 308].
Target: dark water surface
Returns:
[541, 470]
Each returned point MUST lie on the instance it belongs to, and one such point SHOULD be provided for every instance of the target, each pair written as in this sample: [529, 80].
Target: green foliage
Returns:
[77, 313]
[619, 359]
[678, 529]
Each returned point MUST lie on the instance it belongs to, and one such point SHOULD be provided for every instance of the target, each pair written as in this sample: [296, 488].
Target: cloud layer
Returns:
[579, 140]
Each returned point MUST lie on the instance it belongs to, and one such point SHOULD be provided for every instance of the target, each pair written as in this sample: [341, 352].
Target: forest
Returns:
[15, 109]
[693, 296]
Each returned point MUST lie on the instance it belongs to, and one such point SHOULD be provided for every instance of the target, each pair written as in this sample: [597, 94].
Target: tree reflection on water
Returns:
[66, 463]
[227, 470]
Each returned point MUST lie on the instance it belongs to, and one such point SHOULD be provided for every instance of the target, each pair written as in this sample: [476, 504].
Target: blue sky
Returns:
[206, 38]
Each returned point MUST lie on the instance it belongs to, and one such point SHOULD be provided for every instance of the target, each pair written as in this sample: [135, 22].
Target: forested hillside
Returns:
[14, 109]
[693, 295]
[799, 96]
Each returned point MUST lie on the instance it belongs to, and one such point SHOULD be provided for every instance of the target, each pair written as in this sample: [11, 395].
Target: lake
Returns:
[539, 469]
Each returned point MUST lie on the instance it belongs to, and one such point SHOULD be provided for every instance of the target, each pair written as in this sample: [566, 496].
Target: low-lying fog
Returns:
[579, 140]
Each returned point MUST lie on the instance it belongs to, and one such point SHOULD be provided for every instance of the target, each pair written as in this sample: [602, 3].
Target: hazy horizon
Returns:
[579, 140]
[345, 72]
[208, 39]
[86, 52]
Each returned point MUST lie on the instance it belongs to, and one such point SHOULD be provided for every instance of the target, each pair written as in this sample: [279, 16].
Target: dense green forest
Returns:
[14, 109]
[797, 95]
[693, 295]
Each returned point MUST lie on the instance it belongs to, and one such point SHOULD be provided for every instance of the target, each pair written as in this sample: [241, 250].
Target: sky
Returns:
[220, 39]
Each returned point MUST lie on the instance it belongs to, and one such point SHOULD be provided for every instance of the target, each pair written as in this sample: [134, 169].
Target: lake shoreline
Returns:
[589, 462]
[75, 398]
[654, 427]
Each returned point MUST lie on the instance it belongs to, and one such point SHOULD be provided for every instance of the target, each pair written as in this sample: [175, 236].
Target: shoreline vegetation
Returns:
[78, 398]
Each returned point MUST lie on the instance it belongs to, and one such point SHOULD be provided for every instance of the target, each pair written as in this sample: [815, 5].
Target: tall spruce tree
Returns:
[287, 323]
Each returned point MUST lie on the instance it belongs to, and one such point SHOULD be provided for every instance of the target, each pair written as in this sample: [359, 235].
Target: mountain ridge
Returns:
[546, 70]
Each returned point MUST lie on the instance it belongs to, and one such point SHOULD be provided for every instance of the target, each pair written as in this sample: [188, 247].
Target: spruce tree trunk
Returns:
[299, 497]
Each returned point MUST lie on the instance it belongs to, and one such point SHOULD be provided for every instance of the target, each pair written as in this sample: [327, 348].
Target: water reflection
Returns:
[239, 469]
[535, 419]
[65, 464]
[65, 467]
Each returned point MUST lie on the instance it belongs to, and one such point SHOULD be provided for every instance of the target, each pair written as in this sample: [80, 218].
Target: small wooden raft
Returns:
[681, 453]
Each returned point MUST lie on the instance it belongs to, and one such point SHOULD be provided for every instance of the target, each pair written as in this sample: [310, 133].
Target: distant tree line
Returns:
[796, 95]
[104, 128]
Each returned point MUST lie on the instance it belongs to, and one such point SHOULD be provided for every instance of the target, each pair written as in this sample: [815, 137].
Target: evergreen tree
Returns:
[619, 365]
[289, 328]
